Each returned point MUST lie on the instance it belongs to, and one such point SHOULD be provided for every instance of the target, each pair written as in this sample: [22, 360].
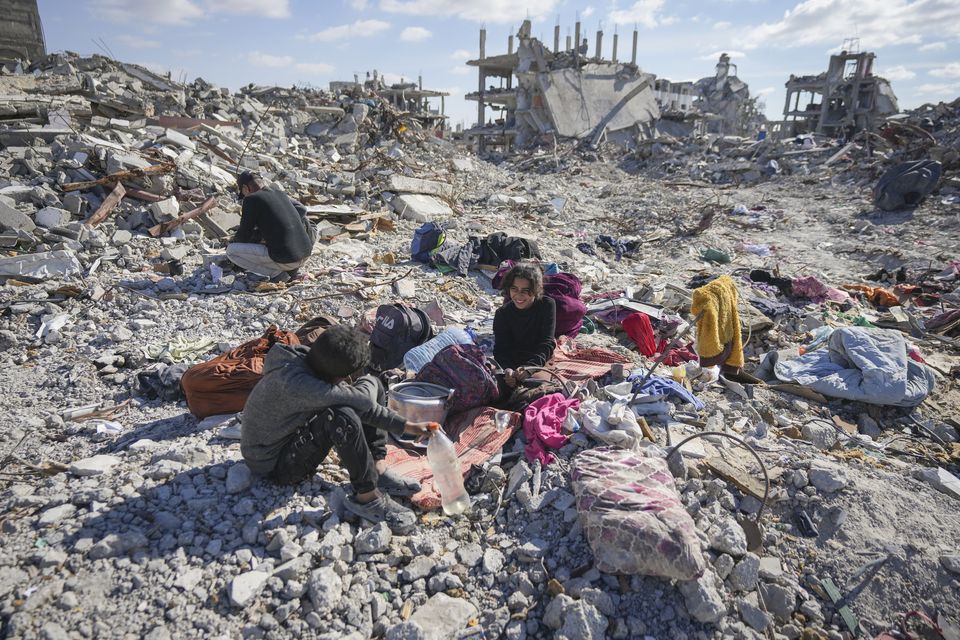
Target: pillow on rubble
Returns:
[633, 517]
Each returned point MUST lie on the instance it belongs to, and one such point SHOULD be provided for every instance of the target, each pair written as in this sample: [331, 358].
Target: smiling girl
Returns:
[523, 327]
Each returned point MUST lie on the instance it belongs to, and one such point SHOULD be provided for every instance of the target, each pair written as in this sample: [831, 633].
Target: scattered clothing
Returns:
[497, 247]
[542, 426]
[585, 363]
[658, 385]
[772, 308]
[587, 249]
[161, 382]
[179, 349]
[866, 365]
[877, 295]
[814, 290]
[620, 247]
[784, 285]
[640, 330]
[565, 290]
[718, 329]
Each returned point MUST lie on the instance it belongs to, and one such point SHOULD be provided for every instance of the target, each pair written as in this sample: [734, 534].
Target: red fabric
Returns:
[640, 329]
[476, 439]
[542, 422]
[679, 355]
[575, 364]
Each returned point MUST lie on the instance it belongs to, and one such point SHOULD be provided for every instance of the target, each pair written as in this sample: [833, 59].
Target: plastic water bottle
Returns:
[418, 357]
[446, 472]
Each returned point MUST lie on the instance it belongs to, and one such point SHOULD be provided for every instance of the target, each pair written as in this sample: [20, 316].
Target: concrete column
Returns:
[481, 116]
[568, 43]
[599, 50]
[576, 41]
[510, 44]
[633, 58]
[614, 46]
[556, 38]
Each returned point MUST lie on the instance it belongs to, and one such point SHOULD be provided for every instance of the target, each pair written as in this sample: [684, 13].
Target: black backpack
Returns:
[398, 329]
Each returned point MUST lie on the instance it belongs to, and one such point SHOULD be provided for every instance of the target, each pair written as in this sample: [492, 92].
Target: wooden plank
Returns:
[166, 227]
[109, 204]
[739, 478]
[146, 196]
[120, 176]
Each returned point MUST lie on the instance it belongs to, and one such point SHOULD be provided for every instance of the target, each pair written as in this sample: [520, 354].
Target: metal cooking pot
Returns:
[420, 401]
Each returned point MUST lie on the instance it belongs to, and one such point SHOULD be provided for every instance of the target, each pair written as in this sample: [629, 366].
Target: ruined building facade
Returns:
[21, 33]
[845, 99]
[725, 99]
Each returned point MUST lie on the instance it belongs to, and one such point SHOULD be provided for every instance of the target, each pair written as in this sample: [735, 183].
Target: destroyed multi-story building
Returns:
[559, 93]
[725, 101]
[21, 33]
[539, 94]
[407, 97]
[844, 99]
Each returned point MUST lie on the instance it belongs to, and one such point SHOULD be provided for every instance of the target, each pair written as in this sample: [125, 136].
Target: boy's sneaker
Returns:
[400, 519]
[397, 485]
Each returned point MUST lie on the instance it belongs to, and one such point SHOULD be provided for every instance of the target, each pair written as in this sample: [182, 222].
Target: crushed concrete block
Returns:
[420, 208]
[50, 217]
[403, 184]
[442, 617]
[165, 209]
[73, 203]
[15, 220]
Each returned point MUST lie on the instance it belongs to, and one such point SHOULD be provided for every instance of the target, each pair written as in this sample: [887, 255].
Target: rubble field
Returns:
[124, 516]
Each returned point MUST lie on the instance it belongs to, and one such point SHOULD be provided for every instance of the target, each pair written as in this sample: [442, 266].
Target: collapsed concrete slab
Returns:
[404, 184]
[420, 208]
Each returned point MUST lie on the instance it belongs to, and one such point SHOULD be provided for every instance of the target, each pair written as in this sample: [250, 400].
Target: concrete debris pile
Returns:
[725, 100]
[125, 515]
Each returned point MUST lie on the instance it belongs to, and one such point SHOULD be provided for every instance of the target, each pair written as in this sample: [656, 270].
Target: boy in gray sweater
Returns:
[307, 403]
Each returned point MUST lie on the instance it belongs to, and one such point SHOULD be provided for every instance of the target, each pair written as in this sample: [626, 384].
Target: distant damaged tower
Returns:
[845, 99]
[725, 101]
[21, 33]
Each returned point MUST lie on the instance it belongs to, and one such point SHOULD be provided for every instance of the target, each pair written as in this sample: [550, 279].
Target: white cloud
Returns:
[137, 42]
[952, 70]
[877, 23]
[899, 72]
[258, 59]
[460, 70]
[262, 8]
[358, 29]
[318, 68]
[643, 12]
[494, 11]
[462, 55]
[948, 90]
[415, 34]
[184, 12]
[723, 24]
[766, 91]
[716, 55]
[587, 12]
[933, 46]
[358, 5]
[158, 12]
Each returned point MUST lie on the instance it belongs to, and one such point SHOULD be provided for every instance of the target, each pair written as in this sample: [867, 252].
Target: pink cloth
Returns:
[542, 422]
[811, 288]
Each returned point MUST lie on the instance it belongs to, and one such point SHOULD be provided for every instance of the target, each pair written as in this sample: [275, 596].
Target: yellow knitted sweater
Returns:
[719, 325]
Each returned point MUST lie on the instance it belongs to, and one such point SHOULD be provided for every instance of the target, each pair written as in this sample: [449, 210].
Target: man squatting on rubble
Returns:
[274, 236]
[523, 328]
[312, 400]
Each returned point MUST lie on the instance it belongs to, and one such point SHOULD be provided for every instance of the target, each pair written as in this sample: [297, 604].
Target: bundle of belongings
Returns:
[858, 363]
[221, 385]
[633, 517]
[907, 184]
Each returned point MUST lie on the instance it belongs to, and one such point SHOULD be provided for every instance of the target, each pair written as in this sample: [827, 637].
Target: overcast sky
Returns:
[234, 42]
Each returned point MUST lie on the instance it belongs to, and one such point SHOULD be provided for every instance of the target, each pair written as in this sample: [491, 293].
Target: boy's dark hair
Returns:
[339, 352]
[250, 177]
[525, 271]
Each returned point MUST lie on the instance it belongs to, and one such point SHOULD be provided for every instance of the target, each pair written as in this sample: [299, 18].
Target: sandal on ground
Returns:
[400, 519]
[397, 485]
